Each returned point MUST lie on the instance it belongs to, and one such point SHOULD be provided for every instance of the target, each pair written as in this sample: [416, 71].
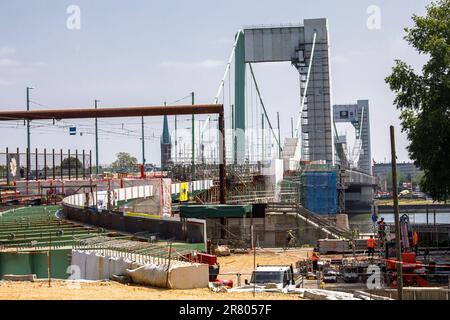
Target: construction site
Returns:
[233, 211]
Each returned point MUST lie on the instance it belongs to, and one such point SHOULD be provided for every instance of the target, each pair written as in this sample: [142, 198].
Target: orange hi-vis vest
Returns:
[371, 243]
[415, 238]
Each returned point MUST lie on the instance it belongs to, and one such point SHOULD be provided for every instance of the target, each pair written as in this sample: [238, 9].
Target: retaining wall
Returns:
[162, 228]
[22, 263]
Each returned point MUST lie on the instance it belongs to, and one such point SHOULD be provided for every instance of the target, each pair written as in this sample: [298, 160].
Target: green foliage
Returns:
[72, 161]
[124, 161]
[400, 179]
[423, 98]
[418, 178]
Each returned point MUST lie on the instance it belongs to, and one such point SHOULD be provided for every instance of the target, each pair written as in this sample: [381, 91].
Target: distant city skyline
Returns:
[144, 53]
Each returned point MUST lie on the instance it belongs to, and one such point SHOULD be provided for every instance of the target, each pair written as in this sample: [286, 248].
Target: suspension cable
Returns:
[264, 108]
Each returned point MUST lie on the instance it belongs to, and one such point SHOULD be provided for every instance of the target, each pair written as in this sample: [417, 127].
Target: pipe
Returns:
[111, 112]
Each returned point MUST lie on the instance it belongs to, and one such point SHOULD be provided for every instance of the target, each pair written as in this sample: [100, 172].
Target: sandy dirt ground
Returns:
[110, 290]
[236, 263]
[243, 263]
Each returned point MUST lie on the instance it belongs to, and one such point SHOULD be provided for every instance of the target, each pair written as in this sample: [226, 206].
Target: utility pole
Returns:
[143, 141]
[28, 135]
[279, 141]
[96, 140]
[193, 139]
[396, 217]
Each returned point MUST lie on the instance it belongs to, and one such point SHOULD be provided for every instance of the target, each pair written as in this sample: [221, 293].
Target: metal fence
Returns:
[44, 164]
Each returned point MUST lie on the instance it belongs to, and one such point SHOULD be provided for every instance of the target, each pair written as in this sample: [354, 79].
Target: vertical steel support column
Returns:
[143, 141]
[96, 141]
[84, 165]
[7, 167]
[90, 162]
[28, 136]
[222, 159]
[239, 98]
[37, 164]
[69, 162]
[28, 155]
[176, 139]
[45, 164]
[222, 174]
[76, 164]
[19, 162]
[61, 164]
[53, 160]
[396, 217]
[28, 164]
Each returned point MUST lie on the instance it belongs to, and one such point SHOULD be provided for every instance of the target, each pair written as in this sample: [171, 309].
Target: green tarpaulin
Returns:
[215, 211]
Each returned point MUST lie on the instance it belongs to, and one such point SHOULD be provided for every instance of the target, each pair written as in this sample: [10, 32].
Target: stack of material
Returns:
[333, 245]
[321, 294]
[222, 251]
[180, 275]
[94, 266]
[90, 265]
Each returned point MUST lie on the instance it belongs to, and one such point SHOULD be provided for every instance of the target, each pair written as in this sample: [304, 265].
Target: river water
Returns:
[364, 221]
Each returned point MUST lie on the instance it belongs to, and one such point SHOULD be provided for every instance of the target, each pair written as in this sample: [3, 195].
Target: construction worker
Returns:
[289, 238]
[416, 241]
[381, 230]
[374, 218]
[315, 260]
[371, 243]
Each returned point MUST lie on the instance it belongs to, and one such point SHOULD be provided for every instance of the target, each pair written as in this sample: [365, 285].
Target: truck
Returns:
[273, 276]
[330, 275]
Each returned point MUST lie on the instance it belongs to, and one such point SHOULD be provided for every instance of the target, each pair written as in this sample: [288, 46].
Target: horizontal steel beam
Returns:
[116, 112]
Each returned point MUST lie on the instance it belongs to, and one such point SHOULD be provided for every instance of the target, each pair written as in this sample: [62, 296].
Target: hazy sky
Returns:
[147, 52]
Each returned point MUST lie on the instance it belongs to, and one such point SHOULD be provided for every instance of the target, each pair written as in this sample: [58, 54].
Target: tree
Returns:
[423, 98]
[418, 178]
[72, 162]
[3, 171]
[400, 179]
[124, 161]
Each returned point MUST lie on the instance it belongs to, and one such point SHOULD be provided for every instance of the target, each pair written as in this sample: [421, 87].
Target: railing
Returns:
[319, 221]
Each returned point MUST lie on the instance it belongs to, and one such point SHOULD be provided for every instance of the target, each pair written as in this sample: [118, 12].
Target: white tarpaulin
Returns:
[79, 260]
[181, 275]
[94, 266]
[118, 266]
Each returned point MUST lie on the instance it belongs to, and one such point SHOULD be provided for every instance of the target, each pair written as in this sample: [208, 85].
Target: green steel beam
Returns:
[239, 98]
